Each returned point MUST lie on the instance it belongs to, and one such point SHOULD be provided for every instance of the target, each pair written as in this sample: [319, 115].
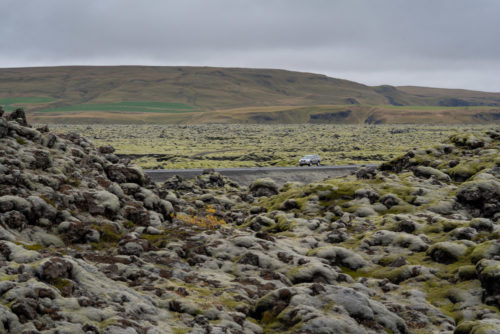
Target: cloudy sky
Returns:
[439, 43]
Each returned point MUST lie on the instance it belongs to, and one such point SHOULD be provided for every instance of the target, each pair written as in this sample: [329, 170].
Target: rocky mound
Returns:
[88, 244]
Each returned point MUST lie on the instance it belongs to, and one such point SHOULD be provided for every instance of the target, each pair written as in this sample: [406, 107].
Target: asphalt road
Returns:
[245, 176]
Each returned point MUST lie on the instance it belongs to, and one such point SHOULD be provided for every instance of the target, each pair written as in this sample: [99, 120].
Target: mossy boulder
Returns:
[282, 224]
[481, 224]
[264, 187]
[486, 250]
[123, 174]
[446, 252]
[313, 272]
[270, 305]
[397, 239]
[369, 193]
[488, 272]
[399, 274]
[467, 140]
[365, 211]
[445, 207]
[289, 204]
[10, 202]
[339, 256]
[481, 197]
[466, 273]
[398, 164]
[428, 172]
[484, 326]
[465, 170]
[390, 200]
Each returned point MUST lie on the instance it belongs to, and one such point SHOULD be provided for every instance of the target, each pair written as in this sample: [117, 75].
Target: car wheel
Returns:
[318, 164]
[310, 164]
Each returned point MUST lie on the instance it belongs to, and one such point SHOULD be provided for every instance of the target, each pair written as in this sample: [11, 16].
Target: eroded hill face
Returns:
[90, 245]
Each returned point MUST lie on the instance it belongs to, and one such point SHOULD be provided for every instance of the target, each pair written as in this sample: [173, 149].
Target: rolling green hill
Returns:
[241, 95]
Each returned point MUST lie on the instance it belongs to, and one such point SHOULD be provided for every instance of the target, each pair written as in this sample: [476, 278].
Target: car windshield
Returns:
[309, 157]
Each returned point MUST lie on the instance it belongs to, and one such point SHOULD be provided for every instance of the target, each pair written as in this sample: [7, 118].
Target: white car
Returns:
[310, 160]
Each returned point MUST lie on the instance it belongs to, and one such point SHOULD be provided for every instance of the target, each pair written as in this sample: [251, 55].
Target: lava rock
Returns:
[55, 268]
[263, 187]
[19, 116]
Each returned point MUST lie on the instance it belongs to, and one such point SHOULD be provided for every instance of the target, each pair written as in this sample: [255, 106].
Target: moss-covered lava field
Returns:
[219, 146]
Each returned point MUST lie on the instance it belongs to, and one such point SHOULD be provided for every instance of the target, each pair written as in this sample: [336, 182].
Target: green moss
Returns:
[268, 317]
[466, 169]
[484, 250]
[158, 240]
[388, 259]
[229, 302]
[403, 189]
[129, 224]
[109, 234]
[178, 330]
[395, 275]
[107, 322]
[287, 234]
[464, 327]
[355, 274]
[282, 225]
[8, 277]
[444, 295]
[48, 200]
[434, 229]
[191, 145]
[400, 208]
[61, 283]
[345, 189]
[274, 202]
[73, 182]
[33, 247]
[450, 225]
[21, 141]
[350, 208]
[467, 272]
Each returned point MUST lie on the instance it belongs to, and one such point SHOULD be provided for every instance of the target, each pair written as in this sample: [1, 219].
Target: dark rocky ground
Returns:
[88, 244]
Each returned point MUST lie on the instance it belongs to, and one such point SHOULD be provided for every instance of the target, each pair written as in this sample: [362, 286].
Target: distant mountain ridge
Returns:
[87, 91]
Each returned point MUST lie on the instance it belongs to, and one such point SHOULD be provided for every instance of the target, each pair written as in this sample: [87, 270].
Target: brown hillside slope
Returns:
[87, 94]
[204, 87]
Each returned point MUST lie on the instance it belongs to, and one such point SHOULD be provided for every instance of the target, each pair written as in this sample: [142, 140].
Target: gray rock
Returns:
[390, 200]
[19, 116]
[9, 322]
[4, 128]
[131, 248]
[123, 174]
[23, 131]
[9, 202]
[42, 209]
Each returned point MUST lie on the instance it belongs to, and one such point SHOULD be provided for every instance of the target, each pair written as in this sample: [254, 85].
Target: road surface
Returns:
[245, 176]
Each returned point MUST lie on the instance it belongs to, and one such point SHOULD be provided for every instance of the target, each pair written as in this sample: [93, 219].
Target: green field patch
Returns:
[151, 107]
[11, 103]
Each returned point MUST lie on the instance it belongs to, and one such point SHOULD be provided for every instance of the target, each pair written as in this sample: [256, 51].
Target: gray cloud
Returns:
[443, 43]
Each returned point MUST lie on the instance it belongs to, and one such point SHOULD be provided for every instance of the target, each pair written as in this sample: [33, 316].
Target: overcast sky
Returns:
[439, 43]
